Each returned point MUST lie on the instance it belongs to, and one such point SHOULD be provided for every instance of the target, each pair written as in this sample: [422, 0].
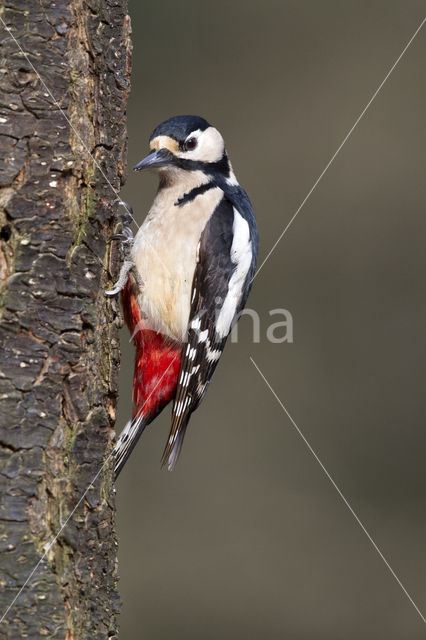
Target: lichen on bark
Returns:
[59, 179]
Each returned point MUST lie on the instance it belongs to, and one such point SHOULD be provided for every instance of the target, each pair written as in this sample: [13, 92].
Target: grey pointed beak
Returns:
[155, 160]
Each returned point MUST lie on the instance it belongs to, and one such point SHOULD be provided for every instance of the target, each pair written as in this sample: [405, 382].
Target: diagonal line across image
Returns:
[77, 134]
[339, 148]
[330, 478]
[49, 545]
[52, 542]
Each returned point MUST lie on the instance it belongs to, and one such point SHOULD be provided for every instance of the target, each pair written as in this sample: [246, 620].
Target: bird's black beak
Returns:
[155, 160]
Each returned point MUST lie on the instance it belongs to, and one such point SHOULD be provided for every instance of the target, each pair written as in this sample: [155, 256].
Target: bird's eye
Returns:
[190, 144]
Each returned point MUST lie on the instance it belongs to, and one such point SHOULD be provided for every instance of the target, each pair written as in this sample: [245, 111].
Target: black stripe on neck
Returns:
[221, 167]
[191, 195]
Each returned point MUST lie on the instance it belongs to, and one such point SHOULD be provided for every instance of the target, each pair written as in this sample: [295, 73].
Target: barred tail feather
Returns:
[127, 441]
[174, 446]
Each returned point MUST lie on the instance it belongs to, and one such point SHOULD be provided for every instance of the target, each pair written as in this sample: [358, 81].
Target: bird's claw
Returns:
[123, 237]
[128, 215]
[126, 238]
[112, 292]
[122, 278]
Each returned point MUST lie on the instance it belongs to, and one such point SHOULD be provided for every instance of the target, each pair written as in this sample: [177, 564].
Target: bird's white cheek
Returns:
[210, 147]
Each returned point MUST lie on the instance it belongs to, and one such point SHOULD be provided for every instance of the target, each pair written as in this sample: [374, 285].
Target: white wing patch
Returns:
[241, 256]
[196, 323]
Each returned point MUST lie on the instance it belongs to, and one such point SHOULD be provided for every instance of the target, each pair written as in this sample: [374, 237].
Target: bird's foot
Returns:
[125, 235]
[122, 278]
[126, 217]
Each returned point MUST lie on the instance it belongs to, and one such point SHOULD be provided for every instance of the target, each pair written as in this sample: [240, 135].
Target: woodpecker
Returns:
[188, 275]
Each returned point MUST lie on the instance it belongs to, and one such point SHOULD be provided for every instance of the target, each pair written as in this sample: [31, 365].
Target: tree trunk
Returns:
[59, 349]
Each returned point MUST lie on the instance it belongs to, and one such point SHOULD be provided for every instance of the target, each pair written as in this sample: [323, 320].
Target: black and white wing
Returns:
[222, 279]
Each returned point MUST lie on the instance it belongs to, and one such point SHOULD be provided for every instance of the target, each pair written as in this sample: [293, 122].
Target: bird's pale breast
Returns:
[165, 254]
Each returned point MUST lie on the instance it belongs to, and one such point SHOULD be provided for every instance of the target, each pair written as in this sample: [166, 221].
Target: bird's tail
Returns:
[174, 446]
[128, 439]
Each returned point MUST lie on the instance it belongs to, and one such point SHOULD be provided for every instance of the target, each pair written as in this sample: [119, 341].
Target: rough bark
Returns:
[59, 350]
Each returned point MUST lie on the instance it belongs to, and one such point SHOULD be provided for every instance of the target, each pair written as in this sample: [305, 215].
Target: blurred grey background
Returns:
[247, 538]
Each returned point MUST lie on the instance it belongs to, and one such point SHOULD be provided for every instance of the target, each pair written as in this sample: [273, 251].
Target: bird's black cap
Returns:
[179, 127]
